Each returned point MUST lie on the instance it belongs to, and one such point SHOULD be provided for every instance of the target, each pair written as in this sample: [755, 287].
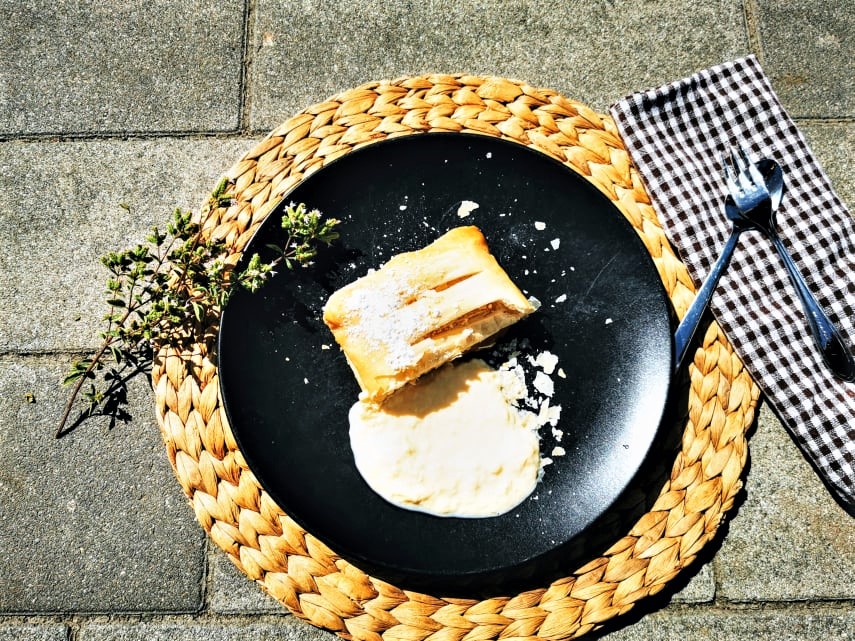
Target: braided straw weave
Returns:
[299, 570]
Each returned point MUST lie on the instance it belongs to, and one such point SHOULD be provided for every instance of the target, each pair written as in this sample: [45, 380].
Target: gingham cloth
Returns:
[676, 134]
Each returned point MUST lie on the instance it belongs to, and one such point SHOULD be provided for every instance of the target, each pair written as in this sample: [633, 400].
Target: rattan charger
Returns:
[299, 570]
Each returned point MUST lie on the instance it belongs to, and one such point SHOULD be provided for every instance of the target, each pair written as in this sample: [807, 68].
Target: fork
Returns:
[691, 320]
[756, 198]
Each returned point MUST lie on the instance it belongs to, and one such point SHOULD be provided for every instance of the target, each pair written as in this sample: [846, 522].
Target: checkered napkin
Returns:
[676, 135]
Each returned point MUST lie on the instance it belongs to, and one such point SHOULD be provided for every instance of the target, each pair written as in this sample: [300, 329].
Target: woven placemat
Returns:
[299, 570]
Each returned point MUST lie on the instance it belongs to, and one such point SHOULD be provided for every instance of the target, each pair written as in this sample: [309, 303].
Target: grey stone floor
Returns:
[147, 102]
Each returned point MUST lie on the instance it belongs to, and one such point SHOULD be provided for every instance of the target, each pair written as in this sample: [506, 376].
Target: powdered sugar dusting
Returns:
[395, 328]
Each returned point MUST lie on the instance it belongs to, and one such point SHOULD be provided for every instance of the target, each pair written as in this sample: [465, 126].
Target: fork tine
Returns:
[736, 159]
[744, 160]
[749, 170]
[756, 176]
[739, 161]
[729, 175]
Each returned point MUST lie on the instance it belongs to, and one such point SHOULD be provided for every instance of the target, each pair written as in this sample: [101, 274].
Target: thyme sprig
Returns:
[176, 280]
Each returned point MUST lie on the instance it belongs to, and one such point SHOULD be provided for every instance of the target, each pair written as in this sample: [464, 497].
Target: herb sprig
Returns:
[176, 280]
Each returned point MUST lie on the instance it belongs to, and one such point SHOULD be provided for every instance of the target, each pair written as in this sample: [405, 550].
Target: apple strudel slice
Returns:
[422, 309]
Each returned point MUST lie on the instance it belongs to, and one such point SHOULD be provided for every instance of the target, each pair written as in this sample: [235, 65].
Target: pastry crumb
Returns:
[466, 208]
[543, 384]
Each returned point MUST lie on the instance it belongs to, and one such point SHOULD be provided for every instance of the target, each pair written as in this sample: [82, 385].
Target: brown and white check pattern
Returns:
[676, 135]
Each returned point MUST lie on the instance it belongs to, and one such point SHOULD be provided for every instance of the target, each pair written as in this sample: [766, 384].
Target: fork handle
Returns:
[689, 325]
[828, 339]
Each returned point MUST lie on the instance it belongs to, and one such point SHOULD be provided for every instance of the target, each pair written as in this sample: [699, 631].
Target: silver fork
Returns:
[754, 194]
[688, 326]
[749, 188]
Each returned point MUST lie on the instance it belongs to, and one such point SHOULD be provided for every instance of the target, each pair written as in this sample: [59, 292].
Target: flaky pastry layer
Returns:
[422, 309]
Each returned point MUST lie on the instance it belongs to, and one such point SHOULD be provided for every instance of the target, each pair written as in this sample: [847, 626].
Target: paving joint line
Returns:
[802, 606]
[247, 132]
[751, 12]
[207, 576]
[76, 622]
[824, 120]
[34, 354]
[247, 57]
[128, 136]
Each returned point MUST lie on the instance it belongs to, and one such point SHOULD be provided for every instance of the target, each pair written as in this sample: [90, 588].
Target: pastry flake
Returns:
[422, 309]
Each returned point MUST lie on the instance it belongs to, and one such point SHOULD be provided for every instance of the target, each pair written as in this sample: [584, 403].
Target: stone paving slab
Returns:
[750, 625]
[808, 48]
[833, 145]
[700, 587]
[789, 540]
[42, 632]
[593, 52]
[283, 629]
[690, 624]
[95, 521]
[60, 211]
[137, 65]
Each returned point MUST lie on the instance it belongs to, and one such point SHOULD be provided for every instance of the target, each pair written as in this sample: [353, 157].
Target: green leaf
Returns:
[71, 377]
[177, 277]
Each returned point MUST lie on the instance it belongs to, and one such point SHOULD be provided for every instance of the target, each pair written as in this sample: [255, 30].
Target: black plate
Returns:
[287, 388]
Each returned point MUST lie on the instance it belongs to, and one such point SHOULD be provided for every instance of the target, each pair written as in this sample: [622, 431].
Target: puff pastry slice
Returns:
[422, 309]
